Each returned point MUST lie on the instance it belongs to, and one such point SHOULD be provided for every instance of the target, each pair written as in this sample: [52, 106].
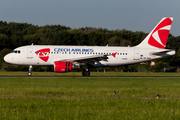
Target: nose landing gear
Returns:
[30, 69]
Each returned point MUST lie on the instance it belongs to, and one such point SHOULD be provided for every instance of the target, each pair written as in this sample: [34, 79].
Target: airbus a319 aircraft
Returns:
[66, 58]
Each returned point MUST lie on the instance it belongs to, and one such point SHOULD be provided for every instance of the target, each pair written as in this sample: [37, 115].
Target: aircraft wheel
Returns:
[86, 73]
[29, 73]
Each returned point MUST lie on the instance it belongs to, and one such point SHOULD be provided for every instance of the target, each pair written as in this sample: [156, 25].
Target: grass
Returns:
[89, 98]
[85, 108]
[90, 87]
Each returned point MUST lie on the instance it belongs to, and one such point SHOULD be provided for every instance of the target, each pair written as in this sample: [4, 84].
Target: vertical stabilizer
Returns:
[157, 38]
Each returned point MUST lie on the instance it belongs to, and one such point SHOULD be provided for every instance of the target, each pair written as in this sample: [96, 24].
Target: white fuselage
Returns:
[48, 54]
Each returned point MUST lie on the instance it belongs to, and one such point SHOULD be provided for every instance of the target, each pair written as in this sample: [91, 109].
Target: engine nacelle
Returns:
[62, 66]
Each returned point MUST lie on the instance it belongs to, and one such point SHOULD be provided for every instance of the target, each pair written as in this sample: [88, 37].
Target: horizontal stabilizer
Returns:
[167, 51]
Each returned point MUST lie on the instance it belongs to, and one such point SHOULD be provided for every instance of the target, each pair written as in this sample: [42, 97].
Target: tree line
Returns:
[13, 35]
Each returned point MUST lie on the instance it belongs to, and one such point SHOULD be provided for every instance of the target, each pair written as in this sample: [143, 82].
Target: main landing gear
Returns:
[30, 69]
[86, 72]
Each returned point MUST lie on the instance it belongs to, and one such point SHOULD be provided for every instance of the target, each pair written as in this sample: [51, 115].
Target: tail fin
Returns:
[157, 38]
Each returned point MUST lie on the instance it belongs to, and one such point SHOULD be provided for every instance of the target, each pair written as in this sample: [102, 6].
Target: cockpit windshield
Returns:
[16, 51]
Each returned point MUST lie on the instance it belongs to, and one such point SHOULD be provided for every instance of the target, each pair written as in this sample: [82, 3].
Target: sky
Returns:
[134, 15]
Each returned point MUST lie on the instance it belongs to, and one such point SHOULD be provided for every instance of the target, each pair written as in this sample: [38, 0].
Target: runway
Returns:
[14, 76]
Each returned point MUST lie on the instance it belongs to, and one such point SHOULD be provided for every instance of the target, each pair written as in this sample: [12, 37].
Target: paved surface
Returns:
[77, 76]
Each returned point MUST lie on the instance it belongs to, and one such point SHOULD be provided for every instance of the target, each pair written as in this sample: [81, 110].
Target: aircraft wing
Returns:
[88, 59]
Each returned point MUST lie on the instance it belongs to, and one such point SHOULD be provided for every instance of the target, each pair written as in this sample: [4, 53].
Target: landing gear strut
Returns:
[30, 69]
[86, 72]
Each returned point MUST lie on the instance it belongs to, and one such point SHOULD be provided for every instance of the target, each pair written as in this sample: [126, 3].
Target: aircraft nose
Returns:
[7, 58]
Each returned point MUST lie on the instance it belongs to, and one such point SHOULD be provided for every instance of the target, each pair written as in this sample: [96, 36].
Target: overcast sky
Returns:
[135, 15]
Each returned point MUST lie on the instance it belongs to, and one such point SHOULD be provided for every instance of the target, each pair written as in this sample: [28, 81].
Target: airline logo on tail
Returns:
[43, 54]
[160, 34]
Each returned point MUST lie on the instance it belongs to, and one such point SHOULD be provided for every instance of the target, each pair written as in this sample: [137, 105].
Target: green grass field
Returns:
[89, 98]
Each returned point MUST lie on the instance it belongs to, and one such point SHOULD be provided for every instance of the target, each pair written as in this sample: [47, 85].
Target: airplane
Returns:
[66, 58]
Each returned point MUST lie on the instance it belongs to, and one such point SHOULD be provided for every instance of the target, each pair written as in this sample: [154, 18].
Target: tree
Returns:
[3, 53]
[4, 41]
[114, 41]
[160, 65]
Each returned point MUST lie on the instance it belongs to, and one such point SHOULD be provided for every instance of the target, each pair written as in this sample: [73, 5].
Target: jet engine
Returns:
[62, 66]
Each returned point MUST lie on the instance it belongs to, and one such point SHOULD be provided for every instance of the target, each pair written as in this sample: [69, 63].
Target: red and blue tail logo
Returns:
[160, 34]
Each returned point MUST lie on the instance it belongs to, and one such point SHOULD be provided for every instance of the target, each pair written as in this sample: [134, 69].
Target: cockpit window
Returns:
[16, 51]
